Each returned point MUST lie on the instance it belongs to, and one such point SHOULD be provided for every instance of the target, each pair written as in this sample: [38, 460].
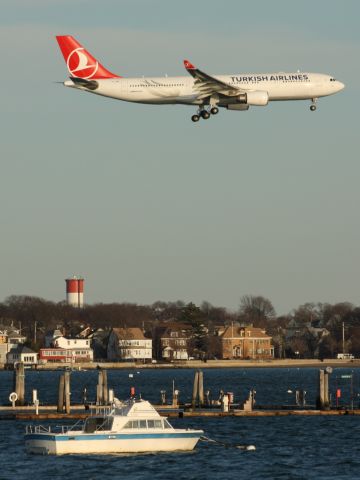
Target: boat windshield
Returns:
[147, 424]
[94, 424]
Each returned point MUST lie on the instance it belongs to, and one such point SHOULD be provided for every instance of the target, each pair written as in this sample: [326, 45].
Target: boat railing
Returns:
[54, 428]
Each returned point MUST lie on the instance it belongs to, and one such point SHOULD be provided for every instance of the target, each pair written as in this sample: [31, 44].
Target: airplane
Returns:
[207, 92]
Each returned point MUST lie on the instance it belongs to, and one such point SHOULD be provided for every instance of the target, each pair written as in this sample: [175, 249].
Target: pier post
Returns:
[61, 395]
[201, 388]
[67, 391]
[99, 389]
[175, 399]
[19, 383]
[105, 388]
[195, 389]
[321, 389]
[323, 402]
[326, 391]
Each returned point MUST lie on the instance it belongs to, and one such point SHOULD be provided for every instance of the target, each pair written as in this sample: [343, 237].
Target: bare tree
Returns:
[256, 310]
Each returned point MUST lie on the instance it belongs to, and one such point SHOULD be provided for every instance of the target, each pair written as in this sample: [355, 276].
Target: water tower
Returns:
[75, 291]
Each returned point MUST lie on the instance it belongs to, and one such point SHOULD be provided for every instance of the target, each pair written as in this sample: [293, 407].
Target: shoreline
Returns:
[197, 364]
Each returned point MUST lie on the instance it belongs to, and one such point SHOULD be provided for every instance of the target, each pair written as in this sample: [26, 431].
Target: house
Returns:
[21, 354]
[246, 343]
[50, 336]
[67, 355]
[99, 340]
[174, 343]
[14, 339]
[10, 338]
[4, 350]
[65, 349]
[74, 343]
[128, 344]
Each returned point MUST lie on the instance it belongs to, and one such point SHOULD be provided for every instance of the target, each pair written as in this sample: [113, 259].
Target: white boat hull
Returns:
[60, 444]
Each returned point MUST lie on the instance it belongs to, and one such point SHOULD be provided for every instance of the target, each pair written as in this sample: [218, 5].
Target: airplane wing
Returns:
[207, 85]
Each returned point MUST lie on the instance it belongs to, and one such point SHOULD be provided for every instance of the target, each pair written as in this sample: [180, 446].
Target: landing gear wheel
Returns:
[313, 108]
[214, 110]
[205, 114]
[195, 118]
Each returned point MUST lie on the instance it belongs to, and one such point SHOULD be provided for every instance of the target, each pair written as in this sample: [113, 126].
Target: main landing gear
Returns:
[313, 104]
[205, 114]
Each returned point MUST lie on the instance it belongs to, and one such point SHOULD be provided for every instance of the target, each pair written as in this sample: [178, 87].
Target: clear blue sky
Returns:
[147, 205]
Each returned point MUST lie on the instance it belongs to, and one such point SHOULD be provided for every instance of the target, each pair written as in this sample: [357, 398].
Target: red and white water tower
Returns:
[75, 291]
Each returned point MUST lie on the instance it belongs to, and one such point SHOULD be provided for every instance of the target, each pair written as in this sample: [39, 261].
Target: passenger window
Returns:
[142, 423]
[158, 423]
[151, 423]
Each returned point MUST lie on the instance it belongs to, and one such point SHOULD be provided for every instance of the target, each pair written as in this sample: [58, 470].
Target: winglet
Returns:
[188, 65]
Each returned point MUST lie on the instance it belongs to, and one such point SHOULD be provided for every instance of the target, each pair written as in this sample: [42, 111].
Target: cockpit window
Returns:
[332, 79]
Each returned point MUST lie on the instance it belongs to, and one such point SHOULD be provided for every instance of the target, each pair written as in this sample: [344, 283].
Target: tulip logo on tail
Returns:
[78, 66]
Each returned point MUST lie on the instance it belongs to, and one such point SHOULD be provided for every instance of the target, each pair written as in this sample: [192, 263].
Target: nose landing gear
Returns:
[313, 104]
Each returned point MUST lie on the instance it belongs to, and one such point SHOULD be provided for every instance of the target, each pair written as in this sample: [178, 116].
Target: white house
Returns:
[21, 354]
[128, 344]
[64, 342]
[50, 336]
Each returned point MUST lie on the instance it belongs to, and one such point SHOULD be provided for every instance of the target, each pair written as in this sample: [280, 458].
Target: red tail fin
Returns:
[79, 61]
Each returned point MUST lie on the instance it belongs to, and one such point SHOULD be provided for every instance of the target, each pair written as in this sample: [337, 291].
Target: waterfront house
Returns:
[246, 343]
[66, 349]
[51, 336]
[20, 353]
[128, 344]
[67, 355]
[175, 343]
[67, 342]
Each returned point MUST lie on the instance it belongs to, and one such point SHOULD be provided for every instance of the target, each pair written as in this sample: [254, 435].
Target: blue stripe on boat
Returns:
[111, 436]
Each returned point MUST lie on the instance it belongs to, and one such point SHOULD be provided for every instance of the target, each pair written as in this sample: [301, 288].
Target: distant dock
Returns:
[196, 364]
[78, 413]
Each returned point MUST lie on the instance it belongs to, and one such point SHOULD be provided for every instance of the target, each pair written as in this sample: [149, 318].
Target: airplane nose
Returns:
[340, 86]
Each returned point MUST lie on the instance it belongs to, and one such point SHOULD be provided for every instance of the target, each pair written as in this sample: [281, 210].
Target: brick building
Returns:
[246, 343]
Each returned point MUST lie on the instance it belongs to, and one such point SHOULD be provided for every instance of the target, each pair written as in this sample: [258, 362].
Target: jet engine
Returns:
[259, 98]
[234, 106]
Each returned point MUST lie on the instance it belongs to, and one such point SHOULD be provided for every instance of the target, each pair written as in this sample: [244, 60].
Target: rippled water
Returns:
[287, 447]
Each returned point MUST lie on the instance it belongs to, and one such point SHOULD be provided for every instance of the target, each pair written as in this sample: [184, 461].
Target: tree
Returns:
[193, 316]
[256, 310]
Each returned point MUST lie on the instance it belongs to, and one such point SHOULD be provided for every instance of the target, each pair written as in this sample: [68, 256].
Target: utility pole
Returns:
[35, 323]
[343, 337]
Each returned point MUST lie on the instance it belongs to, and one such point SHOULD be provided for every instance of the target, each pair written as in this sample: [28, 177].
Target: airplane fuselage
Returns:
[182, 90]
[207, 92]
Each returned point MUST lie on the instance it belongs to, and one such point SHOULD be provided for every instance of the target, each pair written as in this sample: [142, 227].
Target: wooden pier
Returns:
[78, 412]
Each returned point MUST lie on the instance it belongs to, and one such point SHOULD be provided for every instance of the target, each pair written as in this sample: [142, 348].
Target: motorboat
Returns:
[125, 427]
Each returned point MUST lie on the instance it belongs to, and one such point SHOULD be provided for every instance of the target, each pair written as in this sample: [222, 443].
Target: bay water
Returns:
[305, 447]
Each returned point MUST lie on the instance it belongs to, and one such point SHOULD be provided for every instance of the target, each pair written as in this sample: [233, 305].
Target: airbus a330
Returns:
[207, 92]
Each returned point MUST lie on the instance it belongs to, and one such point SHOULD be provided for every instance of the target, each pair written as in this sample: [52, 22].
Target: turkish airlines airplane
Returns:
[207, 92]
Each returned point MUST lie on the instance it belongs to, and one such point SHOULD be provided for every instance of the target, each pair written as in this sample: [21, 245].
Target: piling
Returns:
[175, 399]
[198, 390]
[67, 391]
[19, 383]
[326, 391]
[201, 388]
[100, 389]
[60, 406]
[323, 402]
[195, 390]
[105, 388]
